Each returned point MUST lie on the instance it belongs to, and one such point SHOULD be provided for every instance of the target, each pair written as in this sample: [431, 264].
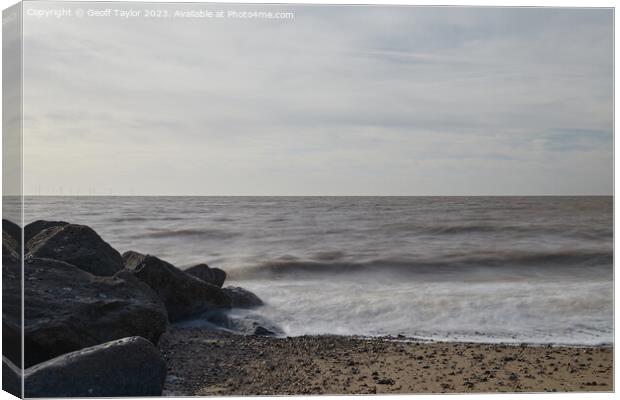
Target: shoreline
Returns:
[206, 362]
[411, 339]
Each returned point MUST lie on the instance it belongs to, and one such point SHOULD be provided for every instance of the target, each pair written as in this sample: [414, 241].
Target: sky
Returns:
[340, 100]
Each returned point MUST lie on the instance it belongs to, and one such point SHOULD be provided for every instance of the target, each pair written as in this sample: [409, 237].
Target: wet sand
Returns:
[206, 363]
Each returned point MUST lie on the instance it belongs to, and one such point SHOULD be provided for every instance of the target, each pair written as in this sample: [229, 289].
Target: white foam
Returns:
[561, 312]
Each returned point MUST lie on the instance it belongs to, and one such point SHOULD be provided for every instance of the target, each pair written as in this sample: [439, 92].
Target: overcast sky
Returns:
[338, 101]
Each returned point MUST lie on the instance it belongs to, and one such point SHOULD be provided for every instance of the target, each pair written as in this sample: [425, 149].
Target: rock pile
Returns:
[93, 318]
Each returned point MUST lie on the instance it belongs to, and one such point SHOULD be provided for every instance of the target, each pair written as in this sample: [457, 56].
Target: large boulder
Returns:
[11, 242]
[10, 249]
[13, 230]
[242, 298]
[214, 276]
[11, 378]
[11, 297]
[77, 245]
[12, 312]
[33, 228]
[66, 309]
[184, 295]
[127, 367]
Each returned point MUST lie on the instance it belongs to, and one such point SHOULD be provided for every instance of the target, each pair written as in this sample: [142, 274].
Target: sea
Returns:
[533, 270]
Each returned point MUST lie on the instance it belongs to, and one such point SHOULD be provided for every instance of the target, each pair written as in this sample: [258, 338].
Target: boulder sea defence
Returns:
[92, 318]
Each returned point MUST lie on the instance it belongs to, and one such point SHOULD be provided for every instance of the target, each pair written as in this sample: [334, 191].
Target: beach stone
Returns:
[33, 228]
[242, 298]
[66, 309]
[262, 331]
[214, 276]
[126, 367]
[11, 378]
[77, 245]
[184, 295]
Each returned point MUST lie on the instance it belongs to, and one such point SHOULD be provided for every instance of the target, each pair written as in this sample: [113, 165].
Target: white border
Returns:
[484, 3]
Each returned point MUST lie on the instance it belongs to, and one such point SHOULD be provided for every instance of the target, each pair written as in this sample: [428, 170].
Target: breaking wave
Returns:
[189, 233]
[544, 261]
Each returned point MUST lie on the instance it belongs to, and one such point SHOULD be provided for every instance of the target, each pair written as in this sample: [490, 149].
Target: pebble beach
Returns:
[209, 363]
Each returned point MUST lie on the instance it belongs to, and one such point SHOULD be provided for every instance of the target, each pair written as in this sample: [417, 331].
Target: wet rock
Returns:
[127, 367]
[11, 378]
[214, 276]
[242, 298]
[184, 295]
[67, 309]
[77, 245]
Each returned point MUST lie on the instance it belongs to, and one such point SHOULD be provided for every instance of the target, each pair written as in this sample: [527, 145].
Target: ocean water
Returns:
[485, 269]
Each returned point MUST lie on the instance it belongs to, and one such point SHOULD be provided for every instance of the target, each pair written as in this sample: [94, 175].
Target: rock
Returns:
[67, 309]
[11, 242]
[10, 249]
[33, 228]
[77, 245]
[13, 230]
[262, 331]
[12, 312]
[242, 298]
[11, 378]
[127, 367]
[183, 294]
[214, 276]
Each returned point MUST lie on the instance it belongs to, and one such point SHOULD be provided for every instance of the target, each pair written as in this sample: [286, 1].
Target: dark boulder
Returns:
[66, 309]
[12, 312]
[242, 298]
[13, 230]
[11, 293]
[127, 367]
[214, 276]
[184, 295]
[77, 245]
[11, 242]
[11, 378]
[10, 249]
[33, 228]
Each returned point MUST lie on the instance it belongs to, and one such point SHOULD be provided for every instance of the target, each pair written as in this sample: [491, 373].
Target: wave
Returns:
[184, 233]
[464, 229]
[142, 219]
[515, 260]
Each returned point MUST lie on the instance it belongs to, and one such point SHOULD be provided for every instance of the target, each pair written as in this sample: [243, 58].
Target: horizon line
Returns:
[311, 195]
